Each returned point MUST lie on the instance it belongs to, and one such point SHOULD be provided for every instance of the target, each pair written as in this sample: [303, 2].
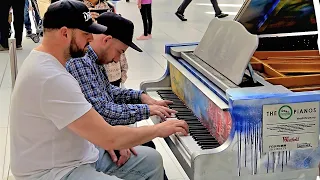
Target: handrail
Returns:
[13, 60]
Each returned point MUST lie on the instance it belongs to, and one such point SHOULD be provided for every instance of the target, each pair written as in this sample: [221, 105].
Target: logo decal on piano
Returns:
[285, 112]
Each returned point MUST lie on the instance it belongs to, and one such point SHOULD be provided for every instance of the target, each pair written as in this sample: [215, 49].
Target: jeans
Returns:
[27, 22]
[146, 165]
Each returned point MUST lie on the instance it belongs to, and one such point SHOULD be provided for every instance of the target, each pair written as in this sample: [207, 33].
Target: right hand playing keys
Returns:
[161, 111]
[173, 126]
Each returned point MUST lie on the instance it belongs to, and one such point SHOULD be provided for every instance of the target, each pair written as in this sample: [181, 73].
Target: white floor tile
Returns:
[3, 143]
[6, 164]
[5, 94]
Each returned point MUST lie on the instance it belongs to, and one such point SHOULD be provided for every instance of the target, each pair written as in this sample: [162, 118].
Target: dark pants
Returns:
[18, 14]
[185, 4]
[27, 22]
[146, 18]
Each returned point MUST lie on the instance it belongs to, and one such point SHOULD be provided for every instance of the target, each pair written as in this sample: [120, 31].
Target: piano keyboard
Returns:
[198, 132]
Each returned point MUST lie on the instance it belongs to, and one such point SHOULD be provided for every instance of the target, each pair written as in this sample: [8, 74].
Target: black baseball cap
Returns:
[119, 28]
[71, 14]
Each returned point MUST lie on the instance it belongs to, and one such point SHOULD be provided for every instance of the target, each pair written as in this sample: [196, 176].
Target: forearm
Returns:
[92, 127]
[127, 137]
[124, 114]
[126, 96]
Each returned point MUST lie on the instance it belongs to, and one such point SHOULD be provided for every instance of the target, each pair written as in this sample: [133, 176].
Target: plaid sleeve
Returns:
[114, 114]
[126, 95]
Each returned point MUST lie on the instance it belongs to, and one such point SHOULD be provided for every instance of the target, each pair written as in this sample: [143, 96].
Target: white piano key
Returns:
[187, 142]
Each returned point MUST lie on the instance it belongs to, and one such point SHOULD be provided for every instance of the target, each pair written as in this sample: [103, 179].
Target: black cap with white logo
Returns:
[119, 28]
[71, 14]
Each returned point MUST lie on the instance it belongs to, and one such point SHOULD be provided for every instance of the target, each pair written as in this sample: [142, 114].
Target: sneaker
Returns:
[143, 37]
[19, 47]
[150, 36]
[2, 49]
[29, 33]
[180, 16]
[221, 15]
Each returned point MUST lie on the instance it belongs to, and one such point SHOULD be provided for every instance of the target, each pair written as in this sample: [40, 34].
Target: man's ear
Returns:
[64, 32]
[107, 38]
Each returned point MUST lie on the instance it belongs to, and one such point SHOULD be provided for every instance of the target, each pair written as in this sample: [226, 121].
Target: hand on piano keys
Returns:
[161, 111]
[173, 126]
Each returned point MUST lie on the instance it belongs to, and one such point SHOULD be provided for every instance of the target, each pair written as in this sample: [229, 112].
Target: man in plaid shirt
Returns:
[117, 106]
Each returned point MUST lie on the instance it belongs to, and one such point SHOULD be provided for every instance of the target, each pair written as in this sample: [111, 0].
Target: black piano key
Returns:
[207, 142]
[185, 110]
[213, 144]
[195, 125]
[201, 141]
[171, 99]
[176, 102]
[188, 117]
[199, 138]
[193, 133]
[200, 131]
[209, 146]
[209, 138]
[165, 92]
[197, 128]
[179, 114]
[176, 106]
[204, 135]
[173, 96]
[192, 123]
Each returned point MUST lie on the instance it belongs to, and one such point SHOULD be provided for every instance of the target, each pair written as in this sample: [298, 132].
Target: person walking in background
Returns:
[27, 22]
[185, 3]
[145, 10]
[18, 9]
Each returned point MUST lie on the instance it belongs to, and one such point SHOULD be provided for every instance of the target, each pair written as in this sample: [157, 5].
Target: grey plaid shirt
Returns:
[117, 106]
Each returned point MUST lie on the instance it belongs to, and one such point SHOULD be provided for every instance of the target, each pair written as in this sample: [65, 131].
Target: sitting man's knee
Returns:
[150, 156]
[155, 156]
[154, 162]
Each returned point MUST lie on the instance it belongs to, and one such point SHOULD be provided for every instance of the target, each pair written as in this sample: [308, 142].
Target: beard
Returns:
[76, 51]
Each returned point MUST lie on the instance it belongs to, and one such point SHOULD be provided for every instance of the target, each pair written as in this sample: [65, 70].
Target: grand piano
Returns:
[249, 93]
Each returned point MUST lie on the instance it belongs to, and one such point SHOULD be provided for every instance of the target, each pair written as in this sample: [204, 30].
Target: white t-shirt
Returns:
[46, 98]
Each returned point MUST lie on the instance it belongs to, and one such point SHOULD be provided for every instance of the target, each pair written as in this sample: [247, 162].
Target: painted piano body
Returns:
[211, 79]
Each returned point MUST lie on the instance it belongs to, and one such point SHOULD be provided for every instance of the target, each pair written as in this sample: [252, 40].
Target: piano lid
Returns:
[270, 17]
[227, 47]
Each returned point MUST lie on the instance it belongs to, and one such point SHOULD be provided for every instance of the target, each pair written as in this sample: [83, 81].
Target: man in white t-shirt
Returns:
[54, 128]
